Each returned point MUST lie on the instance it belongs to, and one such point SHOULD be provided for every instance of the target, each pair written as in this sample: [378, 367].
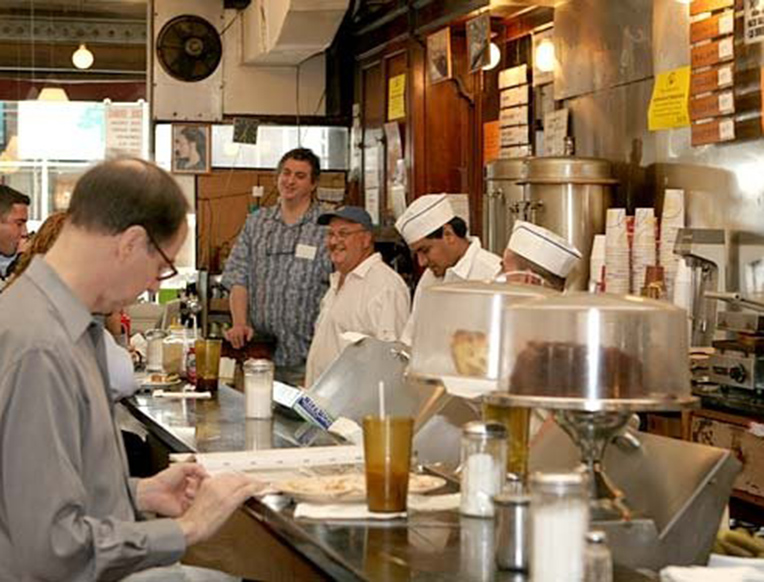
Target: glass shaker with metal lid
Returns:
[154, 349]
[483, 462]
[559, 523]
[258, 388]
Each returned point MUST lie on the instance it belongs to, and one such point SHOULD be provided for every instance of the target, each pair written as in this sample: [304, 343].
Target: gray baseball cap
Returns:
[352, 213]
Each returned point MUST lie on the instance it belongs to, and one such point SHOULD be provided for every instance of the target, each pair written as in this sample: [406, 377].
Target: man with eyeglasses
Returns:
[14, 212]
[69, 510]
[365, 295]
[279, 269]
[439, 240]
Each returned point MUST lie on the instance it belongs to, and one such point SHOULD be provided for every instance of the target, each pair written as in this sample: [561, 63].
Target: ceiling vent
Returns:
[287, 32]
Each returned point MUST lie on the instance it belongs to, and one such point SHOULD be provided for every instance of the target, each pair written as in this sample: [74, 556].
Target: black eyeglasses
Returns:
[169, 270]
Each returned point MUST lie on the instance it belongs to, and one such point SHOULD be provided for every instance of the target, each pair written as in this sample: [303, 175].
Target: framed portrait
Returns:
[191, 148]
[478, 39]
[439, 56]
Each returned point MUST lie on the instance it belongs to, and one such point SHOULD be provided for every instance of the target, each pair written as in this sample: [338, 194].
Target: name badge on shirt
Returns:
[302, 251]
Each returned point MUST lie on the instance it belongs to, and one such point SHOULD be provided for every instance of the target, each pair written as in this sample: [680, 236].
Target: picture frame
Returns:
[439, 56]
[191, 146]
[478, 41]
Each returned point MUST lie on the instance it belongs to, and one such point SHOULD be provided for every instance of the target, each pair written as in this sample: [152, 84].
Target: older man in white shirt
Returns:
[365, 295]
[439, 240]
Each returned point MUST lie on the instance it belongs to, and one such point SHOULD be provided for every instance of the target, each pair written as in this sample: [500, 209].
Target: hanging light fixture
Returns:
[53, 94]
[82, 57]
[494, 57]
[545, 56]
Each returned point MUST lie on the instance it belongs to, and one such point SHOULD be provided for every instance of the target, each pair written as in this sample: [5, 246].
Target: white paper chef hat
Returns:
[424, 216]
[544, 248]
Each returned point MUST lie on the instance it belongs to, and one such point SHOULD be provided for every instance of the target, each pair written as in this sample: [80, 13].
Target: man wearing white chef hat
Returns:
[439, 240]
[537, 255]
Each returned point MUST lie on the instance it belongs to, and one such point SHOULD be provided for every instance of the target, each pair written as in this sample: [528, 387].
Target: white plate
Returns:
[150, 384]
[720, 561]
[346, 488]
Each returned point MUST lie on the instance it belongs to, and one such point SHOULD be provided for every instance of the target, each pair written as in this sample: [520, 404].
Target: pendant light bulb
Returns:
[82, 57]
[545, 58]
[494, 57]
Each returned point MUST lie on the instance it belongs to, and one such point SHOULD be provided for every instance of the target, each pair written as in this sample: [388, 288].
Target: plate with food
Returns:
[159, 380]
[346, 488]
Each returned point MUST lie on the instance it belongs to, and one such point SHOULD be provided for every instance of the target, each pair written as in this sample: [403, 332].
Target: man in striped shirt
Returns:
[279, 269]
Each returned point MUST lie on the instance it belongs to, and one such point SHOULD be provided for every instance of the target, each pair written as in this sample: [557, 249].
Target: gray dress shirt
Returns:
[67, 509]
[285, 269]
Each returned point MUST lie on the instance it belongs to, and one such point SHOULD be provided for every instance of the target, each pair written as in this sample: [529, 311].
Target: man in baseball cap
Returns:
[537, 255]
[365, 295]
[439, 240]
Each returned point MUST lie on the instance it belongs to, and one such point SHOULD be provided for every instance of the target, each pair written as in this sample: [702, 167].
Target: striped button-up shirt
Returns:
[285, 269]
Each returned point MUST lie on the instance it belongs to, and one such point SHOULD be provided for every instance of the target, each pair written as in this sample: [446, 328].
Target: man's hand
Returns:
[239, 335]
[218, 497]
[171, 492]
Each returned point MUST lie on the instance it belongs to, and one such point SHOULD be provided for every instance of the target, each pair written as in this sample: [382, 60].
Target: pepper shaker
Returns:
[512, 535]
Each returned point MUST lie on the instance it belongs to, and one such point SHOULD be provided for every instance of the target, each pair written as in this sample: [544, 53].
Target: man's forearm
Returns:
[238, 303]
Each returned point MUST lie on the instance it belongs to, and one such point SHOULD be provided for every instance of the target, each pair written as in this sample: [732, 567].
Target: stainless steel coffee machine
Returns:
[705, 252]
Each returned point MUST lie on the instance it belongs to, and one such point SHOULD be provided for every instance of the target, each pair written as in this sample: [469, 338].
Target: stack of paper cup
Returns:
[672, 220]
[643, 249]
[597, 265]
[617, 256]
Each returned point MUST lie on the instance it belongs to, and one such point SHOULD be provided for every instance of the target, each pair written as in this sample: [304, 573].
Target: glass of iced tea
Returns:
[517, 422]
[387, 450]
[207, 364]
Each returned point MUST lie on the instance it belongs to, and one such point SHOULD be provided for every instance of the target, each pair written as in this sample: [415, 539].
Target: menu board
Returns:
[712, 102]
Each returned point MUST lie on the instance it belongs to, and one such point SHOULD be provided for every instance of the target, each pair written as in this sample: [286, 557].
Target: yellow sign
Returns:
[396, 97]
[669, 107]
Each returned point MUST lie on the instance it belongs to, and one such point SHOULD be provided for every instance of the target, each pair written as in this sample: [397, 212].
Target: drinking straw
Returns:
[381, 399]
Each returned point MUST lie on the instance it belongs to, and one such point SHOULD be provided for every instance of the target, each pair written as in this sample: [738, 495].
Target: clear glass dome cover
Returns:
[458, 331]
[595, 352]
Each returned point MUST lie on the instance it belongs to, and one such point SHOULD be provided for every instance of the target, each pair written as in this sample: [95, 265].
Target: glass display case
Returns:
[457, 334]
[595, 352]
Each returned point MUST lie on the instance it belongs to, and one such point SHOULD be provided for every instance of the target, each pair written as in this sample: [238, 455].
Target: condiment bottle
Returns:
[191, 365]
[154, 339]
[559, 522]
[258, 388]
[174, 351]
[484, 461]
[512, 536]
[599, 562]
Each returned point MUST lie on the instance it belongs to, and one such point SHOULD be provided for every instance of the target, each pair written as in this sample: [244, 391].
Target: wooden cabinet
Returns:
[744, 437]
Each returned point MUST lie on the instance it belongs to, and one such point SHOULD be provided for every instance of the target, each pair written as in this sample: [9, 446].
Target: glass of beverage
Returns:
[517, 422]
[387, 450]
[207, 364]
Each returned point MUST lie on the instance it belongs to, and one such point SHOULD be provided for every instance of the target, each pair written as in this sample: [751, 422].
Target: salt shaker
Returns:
[512, 536]
[484, 460]
[154, 351]
[599, 562]
[559, 522]
[258, 388]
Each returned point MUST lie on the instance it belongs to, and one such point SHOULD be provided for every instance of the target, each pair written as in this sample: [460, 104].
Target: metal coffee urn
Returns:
[504, 202]
[570, 196]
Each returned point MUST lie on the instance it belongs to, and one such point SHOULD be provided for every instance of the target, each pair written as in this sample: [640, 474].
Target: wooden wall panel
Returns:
[223, 200]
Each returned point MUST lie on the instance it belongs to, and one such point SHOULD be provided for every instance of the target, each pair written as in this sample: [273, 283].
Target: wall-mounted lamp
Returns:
[494, 57]
[53, 94]
[545, 56]
[82, 58]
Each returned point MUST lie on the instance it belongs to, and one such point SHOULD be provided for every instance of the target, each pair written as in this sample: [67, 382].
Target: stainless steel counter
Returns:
[426, 546]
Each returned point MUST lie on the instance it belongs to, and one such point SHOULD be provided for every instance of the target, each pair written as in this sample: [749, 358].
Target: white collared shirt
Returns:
[373, 300]
[476, 264]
